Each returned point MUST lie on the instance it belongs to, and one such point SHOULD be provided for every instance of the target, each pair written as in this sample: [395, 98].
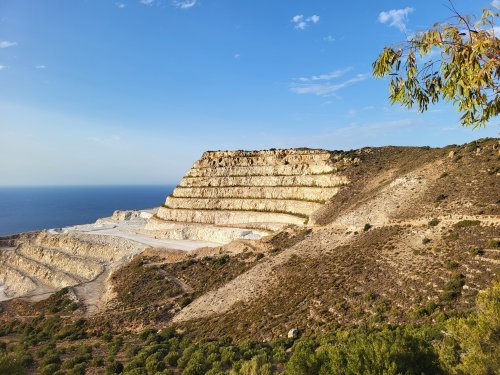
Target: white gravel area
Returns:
[116, 226]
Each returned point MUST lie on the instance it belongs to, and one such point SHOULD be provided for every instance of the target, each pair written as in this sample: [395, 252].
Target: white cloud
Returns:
[40, 66]
[6, 43]
[314, 19]
[325, 88]
[147, 2]
[325, 76]
[121, 5]
[185, 4]
[301, 23]
[396, 17]
[236, 56]
[300, 26]
[329, 38]
[2, 67]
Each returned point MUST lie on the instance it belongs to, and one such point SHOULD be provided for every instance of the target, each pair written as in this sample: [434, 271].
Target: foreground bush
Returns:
[472, 345]
[364, 351]
[468, 344]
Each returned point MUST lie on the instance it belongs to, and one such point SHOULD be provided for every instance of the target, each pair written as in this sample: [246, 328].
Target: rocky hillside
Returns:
[391, 234]
[265, 190]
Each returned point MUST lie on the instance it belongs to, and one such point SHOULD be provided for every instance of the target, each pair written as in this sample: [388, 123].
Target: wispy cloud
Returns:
[326, 76]
[2, 67]
[301, 22]
[325, 87]
[329, 38]
[236, 56]
[6, 44]
[396, 17]
[121, 5]
[40, 67]
[184, 4]
[147, 2]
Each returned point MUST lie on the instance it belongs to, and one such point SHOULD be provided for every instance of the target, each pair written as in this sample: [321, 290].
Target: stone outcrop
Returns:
[37, 264]
[253, 189]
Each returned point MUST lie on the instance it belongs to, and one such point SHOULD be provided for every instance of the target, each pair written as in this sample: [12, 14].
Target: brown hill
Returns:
[413, 235]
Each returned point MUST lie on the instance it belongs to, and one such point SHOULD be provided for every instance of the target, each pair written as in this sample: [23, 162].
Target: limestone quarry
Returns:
[265, 190]
[256, 242]
[225, 196]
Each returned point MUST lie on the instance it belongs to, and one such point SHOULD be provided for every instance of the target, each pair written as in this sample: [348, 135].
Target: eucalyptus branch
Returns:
[466, 73]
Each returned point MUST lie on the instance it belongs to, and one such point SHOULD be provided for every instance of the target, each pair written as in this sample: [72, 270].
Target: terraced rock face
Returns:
[255, 189]
[37, 264]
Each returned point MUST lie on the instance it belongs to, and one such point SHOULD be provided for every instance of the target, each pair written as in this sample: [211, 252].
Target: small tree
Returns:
[456, 61]
[472, 343]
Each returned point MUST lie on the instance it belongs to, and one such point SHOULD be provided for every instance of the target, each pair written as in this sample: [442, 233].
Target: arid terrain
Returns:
[251, 245]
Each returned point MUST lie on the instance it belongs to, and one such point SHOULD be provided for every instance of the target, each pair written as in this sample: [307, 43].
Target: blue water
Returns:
[31, 208]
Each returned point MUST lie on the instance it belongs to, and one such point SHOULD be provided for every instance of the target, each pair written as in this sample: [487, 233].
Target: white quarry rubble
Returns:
[37, 264]
[130, 225]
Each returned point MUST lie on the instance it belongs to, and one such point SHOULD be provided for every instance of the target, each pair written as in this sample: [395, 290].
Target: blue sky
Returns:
[131, 91]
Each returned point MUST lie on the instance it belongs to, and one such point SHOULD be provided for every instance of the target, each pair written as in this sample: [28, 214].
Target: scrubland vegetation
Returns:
[463, 344]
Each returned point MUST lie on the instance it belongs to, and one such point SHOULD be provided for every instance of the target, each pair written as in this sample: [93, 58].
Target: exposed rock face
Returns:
[254, 189]
[37, 264]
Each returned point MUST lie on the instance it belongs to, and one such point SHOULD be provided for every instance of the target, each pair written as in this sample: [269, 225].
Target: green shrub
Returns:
[434, 222]
[370, 296]
[466, 223]
[114, 368]
[441, 197]
[154, 363]
[50, 358]
[227, 355]
[451, 264]
[136, 371]
[193, 369]
[257, 365]
[471, 343]
[279, 354]
[427, 309]
[171, 358]
[11, 364]
[303, 359]
[222, 260]
[186, 300]
[97, 362]
[361, 351]
[453, 288]
[476, 251]
[49, 369]
[79, 369]
[494, 244]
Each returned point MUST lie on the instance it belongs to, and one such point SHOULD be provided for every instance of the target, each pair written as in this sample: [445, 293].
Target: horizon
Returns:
[132, 92]
[175, 183]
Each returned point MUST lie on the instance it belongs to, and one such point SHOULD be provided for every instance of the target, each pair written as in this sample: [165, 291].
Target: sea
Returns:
[31, 208]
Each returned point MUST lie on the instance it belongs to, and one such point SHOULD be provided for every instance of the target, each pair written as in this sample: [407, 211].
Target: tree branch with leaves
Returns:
[457, 61]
